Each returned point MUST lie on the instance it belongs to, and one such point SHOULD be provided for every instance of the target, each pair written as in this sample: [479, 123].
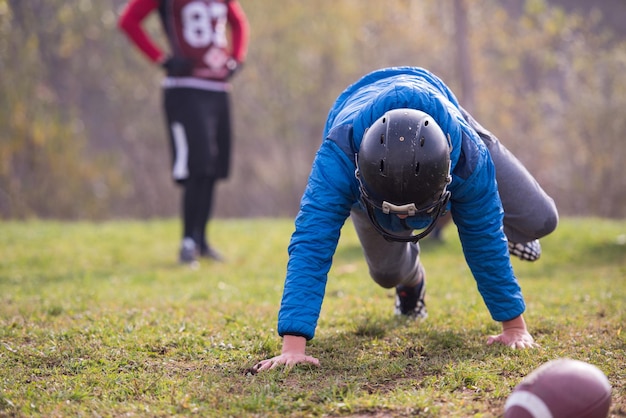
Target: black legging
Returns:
[197, 207]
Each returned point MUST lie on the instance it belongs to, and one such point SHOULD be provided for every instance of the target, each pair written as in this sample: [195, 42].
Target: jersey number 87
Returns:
[204, 24]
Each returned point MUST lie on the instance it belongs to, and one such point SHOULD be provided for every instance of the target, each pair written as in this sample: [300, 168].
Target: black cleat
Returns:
[207, 251]
[410, 301]
[188, 253]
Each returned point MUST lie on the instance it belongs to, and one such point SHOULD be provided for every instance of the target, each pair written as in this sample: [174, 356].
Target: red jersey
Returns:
[196, 29]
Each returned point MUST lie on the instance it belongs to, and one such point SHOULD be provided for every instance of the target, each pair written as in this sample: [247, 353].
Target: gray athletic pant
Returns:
[529, 214]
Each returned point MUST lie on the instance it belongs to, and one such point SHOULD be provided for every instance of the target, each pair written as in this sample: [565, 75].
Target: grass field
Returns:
[100, 320]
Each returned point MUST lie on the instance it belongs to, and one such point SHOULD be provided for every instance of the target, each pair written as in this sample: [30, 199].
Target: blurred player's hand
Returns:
[233, 67]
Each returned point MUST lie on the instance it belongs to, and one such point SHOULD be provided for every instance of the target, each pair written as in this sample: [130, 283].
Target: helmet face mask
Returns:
[403, 168]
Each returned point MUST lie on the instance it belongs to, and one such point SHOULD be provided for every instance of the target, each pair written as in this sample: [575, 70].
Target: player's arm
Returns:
[478, 214]
[239, 31]
[130, 23]
[496, 281]
[325, 205]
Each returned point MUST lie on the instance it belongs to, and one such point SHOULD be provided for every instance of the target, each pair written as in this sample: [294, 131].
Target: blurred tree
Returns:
[44, 170]
[561, 78]
[78, 138]
[464, 55]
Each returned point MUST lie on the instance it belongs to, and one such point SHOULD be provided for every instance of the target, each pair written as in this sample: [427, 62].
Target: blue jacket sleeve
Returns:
[329, 195]
[477, 212]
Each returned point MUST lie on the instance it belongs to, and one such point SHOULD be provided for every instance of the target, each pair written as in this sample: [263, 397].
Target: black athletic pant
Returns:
[200, 134]
[197, 208]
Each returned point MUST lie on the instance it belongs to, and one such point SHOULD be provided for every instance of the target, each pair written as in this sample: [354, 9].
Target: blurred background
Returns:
[82, 135]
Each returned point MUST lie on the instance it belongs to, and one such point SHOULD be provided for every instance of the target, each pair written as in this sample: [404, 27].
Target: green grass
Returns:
[100, 320]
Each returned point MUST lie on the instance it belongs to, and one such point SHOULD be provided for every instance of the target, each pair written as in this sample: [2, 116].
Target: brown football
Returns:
[562, 388]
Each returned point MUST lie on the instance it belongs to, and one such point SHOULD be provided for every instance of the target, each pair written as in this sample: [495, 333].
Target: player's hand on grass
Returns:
[287, 359]
[293, 353]
[514, 335]
[514, 340]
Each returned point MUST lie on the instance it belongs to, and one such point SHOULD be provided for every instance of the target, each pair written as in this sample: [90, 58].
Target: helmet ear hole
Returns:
[417, 168]
[422, 141]
[381, 166]
[382, 139]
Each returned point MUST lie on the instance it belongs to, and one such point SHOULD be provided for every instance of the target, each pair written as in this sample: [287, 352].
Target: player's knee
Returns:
[386, 279]
[383, 280]
[550, 220]
[392, 276]
[539, 221]
[550, 225]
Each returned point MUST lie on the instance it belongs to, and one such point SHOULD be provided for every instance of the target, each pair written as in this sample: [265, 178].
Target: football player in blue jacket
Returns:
[399, 152]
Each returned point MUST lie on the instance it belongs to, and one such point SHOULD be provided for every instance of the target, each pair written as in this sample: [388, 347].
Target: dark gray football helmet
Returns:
[403, 168]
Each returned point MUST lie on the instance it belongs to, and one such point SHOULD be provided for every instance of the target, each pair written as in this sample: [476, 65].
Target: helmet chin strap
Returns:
[437, 211]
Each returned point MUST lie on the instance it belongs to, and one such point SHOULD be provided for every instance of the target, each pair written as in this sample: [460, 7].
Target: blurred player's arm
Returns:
[239, 31]
[130, 23]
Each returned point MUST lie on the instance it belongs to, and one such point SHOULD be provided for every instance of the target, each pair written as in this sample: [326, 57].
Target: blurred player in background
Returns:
[199, 66]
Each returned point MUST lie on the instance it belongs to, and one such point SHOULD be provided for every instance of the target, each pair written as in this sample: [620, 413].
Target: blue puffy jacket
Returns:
[332, 191]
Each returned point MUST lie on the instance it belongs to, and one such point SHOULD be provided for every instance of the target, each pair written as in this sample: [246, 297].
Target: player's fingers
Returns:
[304, 359]
[312, 360]
[265, 365]
[259, 367]
[526, 344]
